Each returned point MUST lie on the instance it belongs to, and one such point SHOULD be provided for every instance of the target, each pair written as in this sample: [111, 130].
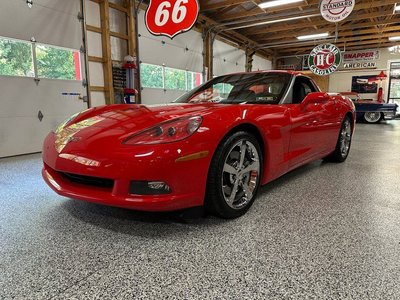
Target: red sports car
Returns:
[213, 146]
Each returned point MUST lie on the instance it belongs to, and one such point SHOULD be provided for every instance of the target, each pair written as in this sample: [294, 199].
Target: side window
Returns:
[301, 88]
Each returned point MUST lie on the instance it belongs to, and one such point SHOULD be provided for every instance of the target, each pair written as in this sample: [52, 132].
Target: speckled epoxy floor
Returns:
[324, 231]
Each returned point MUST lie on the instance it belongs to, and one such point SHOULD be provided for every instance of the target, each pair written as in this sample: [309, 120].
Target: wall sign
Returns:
[364, 84]
[361, 55]
[359, 65]
[171, 17]
[324, 59]
[336, 10]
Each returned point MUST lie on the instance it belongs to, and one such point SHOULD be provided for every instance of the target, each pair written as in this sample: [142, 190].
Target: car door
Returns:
[312, 124]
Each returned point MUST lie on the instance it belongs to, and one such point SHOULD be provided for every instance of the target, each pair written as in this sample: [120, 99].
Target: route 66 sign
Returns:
[324, 59]
[171, 17]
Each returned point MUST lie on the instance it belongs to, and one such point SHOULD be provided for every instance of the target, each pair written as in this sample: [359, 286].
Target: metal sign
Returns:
[336, 10]
[324, 59]
[360, 65]
[171, 17]
[361, 55]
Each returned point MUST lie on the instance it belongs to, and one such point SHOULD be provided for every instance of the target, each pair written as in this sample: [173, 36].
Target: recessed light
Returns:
[274, 3]
[313, 36]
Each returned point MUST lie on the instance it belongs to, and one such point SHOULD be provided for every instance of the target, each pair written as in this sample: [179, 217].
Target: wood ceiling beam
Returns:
[204, 6]
[317, 21]
[257, 11]
[278, 37]
[252, 13]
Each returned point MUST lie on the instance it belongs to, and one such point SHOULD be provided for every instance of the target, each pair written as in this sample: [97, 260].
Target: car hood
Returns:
[110, 125]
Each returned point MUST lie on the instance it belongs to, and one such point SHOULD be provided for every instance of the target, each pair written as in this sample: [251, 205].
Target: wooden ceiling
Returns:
[369, 26]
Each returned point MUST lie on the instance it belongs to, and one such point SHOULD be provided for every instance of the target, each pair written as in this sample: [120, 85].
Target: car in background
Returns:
[371, 111]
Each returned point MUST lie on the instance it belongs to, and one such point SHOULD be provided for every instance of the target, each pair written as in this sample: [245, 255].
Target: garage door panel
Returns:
[52, 22]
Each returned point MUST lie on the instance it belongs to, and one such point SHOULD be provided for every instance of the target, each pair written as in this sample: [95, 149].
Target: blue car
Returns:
[372, 111]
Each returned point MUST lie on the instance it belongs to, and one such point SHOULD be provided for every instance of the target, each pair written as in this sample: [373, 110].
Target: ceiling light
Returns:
[397, 8]
[274, 3]
[313, 36]
[394, 38]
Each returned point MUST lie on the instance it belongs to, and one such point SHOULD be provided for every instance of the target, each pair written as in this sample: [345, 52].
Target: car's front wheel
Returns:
[234, 175]
[373, 117]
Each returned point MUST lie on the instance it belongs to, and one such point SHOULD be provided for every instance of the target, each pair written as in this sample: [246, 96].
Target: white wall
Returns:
[182, 52]
[52, 22]
[260, 63]
[341, 81]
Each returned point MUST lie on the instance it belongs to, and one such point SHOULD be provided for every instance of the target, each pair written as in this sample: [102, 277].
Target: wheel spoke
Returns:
[233, 192]
[230, 169]
[243, 149]
[254, 166]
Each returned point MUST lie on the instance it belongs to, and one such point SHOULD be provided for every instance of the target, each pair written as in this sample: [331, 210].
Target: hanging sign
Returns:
[359, 65]
[324, 59]
[336, 10]
[171, 17]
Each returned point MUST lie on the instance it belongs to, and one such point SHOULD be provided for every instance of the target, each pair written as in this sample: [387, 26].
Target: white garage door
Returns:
[41, 81]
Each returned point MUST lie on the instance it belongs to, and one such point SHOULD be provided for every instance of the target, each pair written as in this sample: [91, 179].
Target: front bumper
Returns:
[187, 179]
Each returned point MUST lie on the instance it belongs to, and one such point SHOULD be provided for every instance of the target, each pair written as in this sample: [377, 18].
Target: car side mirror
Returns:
[314, 98]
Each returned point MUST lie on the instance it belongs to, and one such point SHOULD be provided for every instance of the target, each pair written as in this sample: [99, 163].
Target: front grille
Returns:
[89, 180]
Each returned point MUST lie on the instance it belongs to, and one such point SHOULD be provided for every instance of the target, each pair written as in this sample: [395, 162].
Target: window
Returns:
[16, 58]
[58, 63]
[266, 88]
[151, 76]
[175, 79]
[302, 87]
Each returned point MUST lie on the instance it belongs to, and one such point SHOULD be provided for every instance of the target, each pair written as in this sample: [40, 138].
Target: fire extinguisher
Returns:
[130, 68]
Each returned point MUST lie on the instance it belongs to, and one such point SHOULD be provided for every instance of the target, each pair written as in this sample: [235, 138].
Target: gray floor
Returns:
[324, 231]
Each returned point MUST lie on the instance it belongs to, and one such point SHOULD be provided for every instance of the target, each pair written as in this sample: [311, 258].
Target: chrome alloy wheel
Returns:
[372, 117]
[241, 173]
[345, 138]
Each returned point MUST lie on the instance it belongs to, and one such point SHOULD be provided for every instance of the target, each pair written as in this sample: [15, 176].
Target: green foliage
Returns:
[151, 76]
[55, 63]
[175, 79]
[15, 58]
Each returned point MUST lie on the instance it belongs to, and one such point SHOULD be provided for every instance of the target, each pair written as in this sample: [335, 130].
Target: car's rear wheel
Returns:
[234, 175]
[373, 117]
[343, 143]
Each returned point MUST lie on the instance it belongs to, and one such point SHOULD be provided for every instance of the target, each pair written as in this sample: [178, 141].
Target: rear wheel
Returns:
[234, 175]
[343, 143]
[373, 117]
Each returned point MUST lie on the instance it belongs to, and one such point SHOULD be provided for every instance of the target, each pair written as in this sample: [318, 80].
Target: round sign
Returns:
[324, 59]
[336, 10]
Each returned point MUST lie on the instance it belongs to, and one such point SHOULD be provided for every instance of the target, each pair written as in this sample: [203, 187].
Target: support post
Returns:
[208, 42]
[106, 47]
[249, 59]
[133, 43]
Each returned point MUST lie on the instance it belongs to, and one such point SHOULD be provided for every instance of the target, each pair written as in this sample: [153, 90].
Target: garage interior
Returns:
[322, 231]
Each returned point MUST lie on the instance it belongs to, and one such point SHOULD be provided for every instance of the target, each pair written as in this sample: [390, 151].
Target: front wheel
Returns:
[234, 175]
[343, 143]
[373, 117]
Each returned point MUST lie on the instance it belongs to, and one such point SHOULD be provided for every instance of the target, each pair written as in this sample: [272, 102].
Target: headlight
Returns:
[167, 132]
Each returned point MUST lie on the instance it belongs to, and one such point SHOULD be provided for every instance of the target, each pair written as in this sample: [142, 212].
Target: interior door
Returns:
[35, 101]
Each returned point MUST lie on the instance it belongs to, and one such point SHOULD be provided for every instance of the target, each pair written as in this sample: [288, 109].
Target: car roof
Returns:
[296, 73]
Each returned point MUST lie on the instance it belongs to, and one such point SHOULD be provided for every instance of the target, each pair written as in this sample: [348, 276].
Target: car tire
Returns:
[373, 117]
[343, 143]
[234, 176]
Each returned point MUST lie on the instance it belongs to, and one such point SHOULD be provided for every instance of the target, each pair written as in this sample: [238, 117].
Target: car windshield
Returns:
[267, 88]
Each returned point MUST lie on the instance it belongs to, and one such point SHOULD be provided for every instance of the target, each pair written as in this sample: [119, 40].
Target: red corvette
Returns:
[213, 146]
